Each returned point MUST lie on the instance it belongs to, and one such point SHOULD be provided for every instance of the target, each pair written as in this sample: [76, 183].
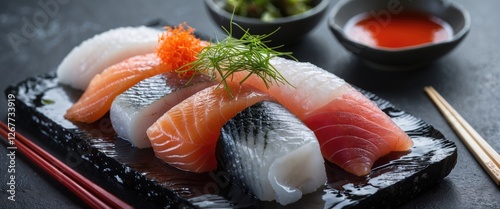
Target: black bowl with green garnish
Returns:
[284, 24]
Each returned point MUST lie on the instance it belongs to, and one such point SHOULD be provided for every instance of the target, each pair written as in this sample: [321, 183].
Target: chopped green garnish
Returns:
[267, 10]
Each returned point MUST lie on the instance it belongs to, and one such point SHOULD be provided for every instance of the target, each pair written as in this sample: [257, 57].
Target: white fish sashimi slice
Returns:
[268, 150]
[94, 55]
[297, 173]
[135, 110]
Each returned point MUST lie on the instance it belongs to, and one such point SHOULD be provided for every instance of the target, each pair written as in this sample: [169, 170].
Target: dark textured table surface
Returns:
[468, 77]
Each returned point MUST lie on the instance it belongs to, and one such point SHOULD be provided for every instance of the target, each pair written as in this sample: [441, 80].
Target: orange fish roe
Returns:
[178, 47]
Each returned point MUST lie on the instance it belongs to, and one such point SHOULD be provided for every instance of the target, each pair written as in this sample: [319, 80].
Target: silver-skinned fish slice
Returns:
[268, 150]
[133, 111]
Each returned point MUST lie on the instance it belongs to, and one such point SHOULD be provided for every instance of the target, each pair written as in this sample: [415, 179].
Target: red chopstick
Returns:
[90, 193]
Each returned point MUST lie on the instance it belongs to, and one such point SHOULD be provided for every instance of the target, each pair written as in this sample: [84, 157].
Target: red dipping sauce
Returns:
[405, 29]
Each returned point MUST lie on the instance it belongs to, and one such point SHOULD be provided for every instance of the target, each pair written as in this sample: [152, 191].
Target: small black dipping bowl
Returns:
[405, 58]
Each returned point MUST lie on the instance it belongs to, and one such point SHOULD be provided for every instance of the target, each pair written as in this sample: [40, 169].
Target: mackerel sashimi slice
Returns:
[136, 109]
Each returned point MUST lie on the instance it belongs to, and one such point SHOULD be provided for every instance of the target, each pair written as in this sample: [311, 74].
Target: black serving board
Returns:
[395, 178]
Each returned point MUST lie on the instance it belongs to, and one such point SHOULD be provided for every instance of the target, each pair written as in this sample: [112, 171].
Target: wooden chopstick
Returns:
[90, 193]
[482, 151]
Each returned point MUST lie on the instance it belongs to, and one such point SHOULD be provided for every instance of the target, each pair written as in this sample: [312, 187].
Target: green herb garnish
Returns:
[249, 53]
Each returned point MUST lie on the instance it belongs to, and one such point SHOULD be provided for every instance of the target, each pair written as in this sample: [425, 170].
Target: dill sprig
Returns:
[231, 55]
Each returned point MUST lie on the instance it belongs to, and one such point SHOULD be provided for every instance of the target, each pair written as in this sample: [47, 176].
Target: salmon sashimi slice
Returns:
[186, 135]
[352, 131]
[104, 87]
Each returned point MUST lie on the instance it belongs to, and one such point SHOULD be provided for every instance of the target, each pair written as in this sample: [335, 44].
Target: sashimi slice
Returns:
[96, 100]
[336, 112]
[270, 152]
[136, 109]
[354, 133]
[94, 55]
[186, 135]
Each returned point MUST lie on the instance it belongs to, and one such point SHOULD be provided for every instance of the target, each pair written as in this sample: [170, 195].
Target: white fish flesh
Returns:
[135, 110]
[272, 153]
[94, 55]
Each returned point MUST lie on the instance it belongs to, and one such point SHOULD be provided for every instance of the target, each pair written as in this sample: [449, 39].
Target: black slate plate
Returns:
[395, 178]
